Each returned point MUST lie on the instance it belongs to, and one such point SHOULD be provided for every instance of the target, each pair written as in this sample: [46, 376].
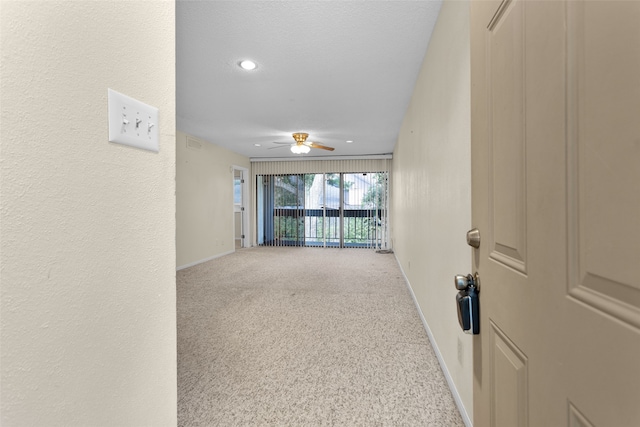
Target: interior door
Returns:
[239, 208]
[556, 197]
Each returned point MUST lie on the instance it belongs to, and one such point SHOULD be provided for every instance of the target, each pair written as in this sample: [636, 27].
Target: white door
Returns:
[556, 197]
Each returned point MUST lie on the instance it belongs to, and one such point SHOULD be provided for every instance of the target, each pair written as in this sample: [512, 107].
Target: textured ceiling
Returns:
[338, 70]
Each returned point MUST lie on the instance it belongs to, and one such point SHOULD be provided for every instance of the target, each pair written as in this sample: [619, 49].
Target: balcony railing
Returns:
[316, 227]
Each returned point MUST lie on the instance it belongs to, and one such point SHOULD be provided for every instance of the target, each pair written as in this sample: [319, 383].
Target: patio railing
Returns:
[314, 227]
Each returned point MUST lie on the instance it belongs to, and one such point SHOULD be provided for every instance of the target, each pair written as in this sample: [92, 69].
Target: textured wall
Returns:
[204, 194]
[87, 226]
[431, 189]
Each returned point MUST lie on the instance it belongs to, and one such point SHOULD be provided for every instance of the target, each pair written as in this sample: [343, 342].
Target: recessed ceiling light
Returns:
[257, 145]
[349, 142]
[248, 65]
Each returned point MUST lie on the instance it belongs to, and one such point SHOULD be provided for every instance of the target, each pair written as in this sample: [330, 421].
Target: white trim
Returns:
[300, 159]
[182, 267]
[443, 366]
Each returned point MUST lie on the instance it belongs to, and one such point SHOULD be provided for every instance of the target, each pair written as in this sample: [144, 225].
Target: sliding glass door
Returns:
[281, 210]
[364, 209]
[327, 210]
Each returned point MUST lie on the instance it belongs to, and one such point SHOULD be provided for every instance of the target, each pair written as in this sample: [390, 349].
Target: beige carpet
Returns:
[305, 337]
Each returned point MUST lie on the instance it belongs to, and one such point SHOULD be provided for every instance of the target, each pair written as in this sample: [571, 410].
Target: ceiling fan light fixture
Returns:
[300, 149]
[300, 137]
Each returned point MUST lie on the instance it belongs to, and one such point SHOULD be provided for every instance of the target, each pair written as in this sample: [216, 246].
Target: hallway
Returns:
[305, 336]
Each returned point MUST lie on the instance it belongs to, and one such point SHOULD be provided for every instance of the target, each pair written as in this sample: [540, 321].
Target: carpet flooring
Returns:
[305, 337]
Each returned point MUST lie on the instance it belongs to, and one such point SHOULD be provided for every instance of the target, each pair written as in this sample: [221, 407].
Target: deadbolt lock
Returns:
[473, 238]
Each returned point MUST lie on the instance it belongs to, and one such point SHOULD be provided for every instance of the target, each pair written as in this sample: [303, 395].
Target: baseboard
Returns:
[443, 366]
[182, 267]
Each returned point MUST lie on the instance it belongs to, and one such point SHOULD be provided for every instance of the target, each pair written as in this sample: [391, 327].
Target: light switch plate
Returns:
[132, 122]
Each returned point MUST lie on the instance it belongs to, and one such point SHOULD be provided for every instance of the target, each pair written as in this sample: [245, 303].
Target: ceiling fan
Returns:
[302, 146]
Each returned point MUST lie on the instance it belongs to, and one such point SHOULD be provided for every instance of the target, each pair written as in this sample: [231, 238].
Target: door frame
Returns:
[245, 225]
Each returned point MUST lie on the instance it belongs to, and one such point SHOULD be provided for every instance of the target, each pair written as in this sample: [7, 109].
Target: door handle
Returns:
[463, 282]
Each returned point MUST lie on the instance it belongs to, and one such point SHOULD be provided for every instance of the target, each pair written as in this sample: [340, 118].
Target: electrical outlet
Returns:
[460, 351]
[132, 122]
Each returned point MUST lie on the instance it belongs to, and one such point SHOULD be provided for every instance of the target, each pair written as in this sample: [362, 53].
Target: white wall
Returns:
[204, 193]
[431, 190]
[87, 227]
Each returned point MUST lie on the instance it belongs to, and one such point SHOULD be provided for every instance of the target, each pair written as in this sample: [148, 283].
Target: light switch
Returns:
[132, 122]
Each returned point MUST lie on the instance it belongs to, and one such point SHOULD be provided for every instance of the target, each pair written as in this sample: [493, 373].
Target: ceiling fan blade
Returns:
[281, 143]
[316, 145]
[280, 146]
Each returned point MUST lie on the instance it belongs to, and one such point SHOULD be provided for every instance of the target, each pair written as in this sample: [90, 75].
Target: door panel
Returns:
[555, 168]
[576, 419]
[509, 377]
[604, 114]
[507, 188]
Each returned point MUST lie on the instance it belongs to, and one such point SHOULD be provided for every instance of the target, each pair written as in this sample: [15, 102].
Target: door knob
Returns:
[473, 238]
[463, 282]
